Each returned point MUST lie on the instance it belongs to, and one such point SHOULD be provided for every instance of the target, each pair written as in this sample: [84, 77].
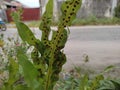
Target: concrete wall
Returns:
[2, 11]
[97, 8]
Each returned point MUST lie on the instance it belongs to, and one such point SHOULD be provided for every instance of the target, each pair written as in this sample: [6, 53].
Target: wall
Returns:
[97, 8]
[29, 14]
[3, 15]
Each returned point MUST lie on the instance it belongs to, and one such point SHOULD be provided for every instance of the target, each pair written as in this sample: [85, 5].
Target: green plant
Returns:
[9, 67]
[109, 84]
[117, 11]
[47, 57]
[1, 40]
[96, 21]
[78, 81]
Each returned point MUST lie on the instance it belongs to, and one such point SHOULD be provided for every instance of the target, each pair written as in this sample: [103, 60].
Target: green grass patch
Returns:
[97, 21]
[82, 22]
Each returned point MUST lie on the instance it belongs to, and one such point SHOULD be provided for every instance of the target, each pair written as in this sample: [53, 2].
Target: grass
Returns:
[87, 21]
[77, 80]
[97, 21]
[80, 22]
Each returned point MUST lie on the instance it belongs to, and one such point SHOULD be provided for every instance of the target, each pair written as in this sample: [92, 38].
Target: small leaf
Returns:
[107, 69]
[22, 87]
[83, 83]
[29, 71]
[96, 82]
[69, 10]
[1, 43]
[25, 33]
[13, 69]
[106, 85]
[117, 84]
[46, 21]
[27, 36]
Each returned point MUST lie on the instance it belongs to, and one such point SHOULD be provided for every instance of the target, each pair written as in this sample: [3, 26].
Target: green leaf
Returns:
[46, 21]
[107, 69]
[96, 82]
[83, 82]
[106, 85]
[25, 33]
[22, 87]
[27, 36]
[69, 10]
[29, 71]
[49, 9]
[116, 83]
[62, 39]
[13, 69]
[16, 16]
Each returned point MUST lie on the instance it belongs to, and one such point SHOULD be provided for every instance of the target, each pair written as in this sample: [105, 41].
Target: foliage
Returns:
[84, 21]
[77, 81]
[1, 40]
[97, 21]
[9, 67]
[41, 71]
[117, 11]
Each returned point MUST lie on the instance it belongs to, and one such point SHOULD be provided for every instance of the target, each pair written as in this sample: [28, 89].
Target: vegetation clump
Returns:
[41, 68]
[117, 11]
[41, 71]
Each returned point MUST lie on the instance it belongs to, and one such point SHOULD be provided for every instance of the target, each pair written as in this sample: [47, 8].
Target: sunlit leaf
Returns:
[13, 70]
[29, 71]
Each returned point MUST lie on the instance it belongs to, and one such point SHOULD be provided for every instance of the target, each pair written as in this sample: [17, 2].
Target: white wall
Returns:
[105, 10]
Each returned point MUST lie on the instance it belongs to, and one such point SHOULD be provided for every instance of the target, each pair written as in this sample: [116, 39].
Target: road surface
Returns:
[100, 44]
